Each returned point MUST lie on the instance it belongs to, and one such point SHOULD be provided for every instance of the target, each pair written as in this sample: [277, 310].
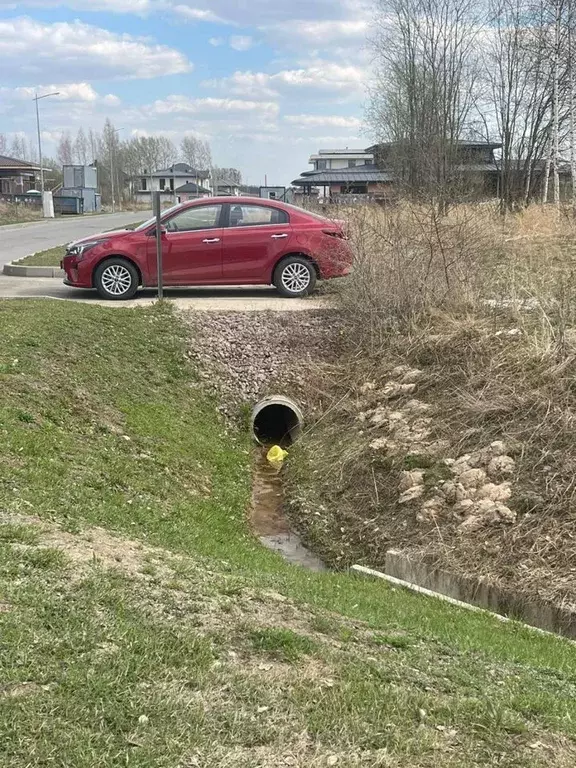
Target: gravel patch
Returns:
[247, 355]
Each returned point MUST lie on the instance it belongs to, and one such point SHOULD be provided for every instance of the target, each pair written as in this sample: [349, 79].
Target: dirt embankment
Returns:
[454, 442]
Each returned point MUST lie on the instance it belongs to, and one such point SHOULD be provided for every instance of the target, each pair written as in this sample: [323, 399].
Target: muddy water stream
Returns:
[268, 520]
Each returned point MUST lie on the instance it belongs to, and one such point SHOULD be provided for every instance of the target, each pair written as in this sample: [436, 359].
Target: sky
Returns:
[267, 82]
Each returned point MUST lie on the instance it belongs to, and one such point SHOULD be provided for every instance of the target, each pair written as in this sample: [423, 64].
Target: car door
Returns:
[254, 238]
[191, 247]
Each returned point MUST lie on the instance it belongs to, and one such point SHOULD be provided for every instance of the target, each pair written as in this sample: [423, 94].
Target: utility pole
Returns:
[37, 99]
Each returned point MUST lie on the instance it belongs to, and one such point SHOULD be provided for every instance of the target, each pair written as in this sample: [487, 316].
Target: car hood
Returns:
[102, 236]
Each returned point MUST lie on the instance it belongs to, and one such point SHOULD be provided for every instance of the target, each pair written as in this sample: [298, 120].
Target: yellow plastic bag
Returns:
[276, 456]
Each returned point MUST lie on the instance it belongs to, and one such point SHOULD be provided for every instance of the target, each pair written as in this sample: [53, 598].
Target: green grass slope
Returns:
[141, 624]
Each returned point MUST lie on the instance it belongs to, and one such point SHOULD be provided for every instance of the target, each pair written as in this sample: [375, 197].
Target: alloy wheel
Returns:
[296, 277]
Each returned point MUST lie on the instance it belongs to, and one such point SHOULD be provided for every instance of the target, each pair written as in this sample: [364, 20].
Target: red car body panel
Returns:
[219, 256]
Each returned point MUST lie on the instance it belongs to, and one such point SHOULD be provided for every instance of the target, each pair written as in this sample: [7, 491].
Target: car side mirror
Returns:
[152, 232]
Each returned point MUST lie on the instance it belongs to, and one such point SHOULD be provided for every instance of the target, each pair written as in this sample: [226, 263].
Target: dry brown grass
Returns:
[486, 309]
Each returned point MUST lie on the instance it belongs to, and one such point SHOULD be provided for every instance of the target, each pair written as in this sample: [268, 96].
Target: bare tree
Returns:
[64, 150]
[196, 152]
[18, 147]
[3, 144]
[81, 147]
[422, 99]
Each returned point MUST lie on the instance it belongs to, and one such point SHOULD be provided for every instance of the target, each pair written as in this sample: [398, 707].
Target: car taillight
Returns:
[335, 233]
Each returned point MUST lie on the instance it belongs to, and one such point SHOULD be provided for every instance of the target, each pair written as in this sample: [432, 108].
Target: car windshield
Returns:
[152, 221]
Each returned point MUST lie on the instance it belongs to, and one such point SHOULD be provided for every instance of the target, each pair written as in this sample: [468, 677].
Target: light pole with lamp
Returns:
[114, 132]
[37, 99]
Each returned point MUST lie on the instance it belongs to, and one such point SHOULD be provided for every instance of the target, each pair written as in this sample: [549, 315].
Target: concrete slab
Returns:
[239, 299]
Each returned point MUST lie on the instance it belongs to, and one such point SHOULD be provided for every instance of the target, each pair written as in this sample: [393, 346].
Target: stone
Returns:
[501, 466]
[380, 444]
[471, 524]
[498, 448]
[463, 509]
[411, 494]
[400, 370]
[393, 389]
[495, 492]
[417, 406]
[472, 478]
[412, 376]
[368, 386]
[380, 416]
[431, 510]
[410, 479]
[505, 514]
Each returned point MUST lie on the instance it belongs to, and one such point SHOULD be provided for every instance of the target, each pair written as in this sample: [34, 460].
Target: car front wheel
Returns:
[116, 279]
[295, 277]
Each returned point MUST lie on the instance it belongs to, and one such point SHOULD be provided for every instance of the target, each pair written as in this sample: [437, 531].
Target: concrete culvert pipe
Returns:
[277, 420]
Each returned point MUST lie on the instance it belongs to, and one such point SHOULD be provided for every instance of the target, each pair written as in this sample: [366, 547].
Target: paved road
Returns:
[241, 299]
[17, 240]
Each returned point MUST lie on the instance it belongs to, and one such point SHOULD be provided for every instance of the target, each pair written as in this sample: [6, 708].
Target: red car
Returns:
[215, 241]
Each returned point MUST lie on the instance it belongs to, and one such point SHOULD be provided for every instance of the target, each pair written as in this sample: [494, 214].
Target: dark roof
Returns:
[12, 162]
[190, 186]
[360, 173]
[181, 169]
[462, 143]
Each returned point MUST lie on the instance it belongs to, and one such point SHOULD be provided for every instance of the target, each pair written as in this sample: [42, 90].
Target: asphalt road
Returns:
[20, 240]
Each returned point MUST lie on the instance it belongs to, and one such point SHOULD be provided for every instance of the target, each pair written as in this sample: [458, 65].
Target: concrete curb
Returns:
[20, 270]
[423, 576]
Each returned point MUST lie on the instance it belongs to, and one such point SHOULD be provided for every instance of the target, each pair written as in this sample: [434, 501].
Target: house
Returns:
[191, 191]
[17, 176]
[474, 162]
[227, 187]
[374, 173]
[173, 182]
[339, 172]
[337, 159]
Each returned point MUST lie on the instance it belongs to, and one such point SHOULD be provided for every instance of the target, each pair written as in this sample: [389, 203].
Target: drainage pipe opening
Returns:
[277, 420]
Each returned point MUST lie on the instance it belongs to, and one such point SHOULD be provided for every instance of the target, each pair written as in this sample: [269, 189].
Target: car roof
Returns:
[236, 200]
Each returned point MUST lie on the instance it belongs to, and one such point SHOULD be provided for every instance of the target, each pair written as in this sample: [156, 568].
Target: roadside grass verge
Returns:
[142, 624]
[18, 214]
[52, 257]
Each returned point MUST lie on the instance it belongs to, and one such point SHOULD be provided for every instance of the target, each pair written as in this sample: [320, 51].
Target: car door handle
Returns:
[212, 240]
[277, 237]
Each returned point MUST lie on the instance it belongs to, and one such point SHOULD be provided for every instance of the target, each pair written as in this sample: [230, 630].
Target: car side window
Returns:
[256, 215]
[203, 217]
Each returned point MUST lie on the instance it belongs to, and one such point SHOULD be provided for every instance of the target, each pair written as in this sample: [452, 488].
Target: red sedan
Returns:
[215, 241]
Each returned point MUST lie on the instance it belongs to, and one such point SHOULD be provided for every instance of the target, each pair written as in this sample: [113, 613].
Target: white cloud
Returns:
[69, 93]
[322, 75]
[319, 33]
[215, 109]
[241, 42]
[198, 14]
[316, 121]
[113, 6]
[252, 85]
[216, 41]
[31, 49]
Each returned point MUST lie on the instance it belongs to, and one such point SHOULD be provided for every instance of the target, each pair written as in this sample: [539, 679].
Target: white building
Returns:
[177, 181]
[335, 159]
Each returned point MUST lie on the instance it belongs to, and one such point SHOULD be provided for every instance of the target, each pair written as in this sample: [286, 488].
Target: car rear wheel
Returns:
[116, 279]
[295, 277]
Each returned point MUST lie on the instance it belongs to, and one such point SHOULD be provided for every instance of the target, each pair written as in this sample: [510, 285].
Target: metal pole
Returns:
[158, 215]
[40, 149]
[112, 174]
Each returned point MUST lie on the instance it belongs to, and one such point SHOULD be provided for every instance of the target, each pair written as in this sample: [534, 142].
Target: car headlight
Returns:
[79, 249]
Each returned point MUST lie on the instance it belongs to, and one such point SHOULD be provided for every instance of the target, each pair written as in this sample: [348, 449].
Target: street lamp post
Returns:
[37, 99]
[117, 130]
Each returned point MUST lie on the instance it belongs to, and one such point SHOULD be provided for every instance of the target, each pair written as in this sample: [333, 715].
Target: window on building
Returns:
[172, 184]
[143, 184]
[205, 217]
[321, 165]
[352, 163]
[256, 215]
[162, 184]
